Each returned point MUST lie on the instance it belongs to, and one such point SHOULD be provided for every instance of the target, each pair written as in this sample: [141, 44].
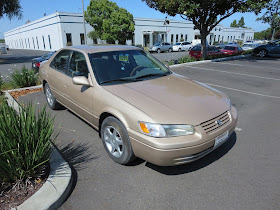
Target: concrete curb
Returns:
[209, 61]
[58, 185]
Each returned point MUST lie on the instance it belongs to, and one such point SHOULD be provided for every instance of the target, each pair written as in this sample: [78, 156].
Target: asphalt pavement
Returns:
[241, 174]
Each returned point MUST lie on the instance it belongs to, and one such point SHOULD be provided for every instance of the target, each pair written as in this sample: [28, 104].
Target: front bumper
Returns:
[178, 150]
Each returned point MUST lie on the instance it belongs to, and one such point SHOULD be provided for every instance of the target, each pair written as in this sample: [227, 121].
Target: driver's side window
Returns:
[78, 65]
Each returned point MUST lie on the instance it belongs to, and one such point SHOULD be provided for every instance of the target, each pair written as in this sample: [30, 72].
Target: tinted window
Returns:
[187, 43]
[196, 48]
[78, 65]
[61, 60]
[178, 43]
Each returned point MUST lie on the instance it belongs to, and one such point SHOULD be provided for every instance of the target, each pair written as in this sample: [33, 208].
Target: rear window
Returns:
[196, 48]
[178, 43]
[229, 48]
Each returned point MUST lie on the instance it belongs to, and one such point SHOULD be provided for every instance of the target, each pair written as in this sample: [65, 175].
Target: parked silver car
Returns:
[161, 47]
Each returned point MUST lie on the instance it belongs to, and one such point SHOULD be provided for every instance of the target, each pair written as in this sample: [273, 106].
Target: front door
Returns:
[80, 97]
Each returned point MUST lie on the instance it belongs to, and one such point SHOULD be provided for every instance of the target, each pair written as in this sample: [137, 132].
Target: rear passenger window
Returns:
[78, 65]
[61, 60]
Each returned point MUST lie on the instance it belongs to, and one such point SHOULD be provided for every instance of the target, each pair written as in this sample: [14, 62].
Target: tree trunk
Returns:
[203, 34]
[273, 32]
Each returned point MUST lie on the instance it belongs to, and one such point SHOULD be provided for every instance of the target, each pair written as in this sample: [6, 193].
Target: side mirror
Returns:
[80, 80]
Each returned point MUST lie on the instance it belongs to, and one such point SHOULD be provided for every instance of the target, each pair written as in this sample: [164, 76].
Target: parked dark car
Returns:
[220, 45]
[270, 49]
[36, 62]
[211, 51]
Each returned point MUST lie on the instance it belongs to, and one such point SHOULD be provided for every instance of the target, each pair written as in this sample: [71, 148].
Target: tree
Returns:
[10, 8]
[205, 15]
[271, 16]
[234, 24]
[110, 22]
[241, 23]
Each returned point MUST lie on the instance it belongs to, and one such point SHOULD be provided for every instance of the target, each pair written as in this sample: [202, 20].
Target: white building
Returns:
[62, 29]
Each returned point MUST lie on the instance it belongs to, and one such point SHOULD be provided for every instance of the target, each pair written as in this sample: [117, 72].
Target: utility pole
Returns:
[85, 34]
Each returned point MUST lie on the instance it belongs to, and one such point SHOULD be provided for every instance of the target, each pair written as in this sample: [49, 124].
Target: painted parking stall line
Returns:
[247, 75]
[235, 64]
[243, 91]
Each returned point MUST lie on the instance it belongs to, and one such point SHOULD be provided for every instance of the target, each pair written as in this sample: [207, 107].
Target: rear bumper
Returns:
[196, 146]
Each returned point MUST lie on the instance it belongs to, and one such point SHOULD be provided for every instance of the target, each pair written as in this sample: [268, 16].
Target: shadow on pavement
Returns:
[256, 59]
[196, 165]
[77, 155]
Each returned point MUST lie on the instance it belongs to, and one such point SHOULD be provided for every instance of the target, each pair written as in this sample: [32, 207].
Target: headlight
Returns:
[158, 130]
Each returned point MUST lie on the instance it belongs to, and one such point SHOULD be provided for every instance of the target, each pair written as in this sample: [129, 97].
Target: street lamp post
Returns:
[85, 34]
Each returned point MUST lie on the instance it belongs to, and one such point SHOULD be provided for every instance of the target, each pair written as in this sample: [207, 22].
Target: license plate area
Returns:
[221, 139]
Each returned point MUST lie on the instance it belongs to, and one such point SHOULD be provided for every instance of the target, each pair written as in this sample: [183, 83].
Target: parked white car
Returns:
[182, 46]
[249, 46]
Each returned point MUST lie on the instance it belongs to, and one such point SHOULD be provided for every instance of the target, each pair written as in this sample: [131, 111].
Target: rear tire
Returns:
[169, 50]
[179, 49]
[51, 100]
[262, 53]
[158, 50]
[116, 141]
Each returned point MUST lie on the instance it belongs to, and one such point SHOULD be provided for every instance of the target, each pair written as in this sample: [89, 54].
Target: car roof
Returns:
[102, 48]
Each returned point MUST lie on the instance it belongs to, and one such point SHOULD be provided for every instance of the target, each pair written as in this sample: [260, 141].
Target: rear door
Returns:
[276, 48]
[56, 75]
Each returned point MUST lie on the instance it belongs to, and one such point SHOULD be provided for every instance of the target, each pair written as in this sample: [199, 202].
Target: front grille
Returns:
[217, 122]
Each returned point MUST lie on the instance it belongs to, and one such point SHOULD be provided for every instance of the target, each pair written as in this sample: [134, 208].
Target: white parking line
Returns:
[235, 64]
[243, 91]
[248, 75]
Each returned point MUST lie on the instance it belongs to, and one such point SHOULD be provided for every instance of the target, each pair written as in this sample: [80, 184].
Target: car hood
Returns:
[173, 99]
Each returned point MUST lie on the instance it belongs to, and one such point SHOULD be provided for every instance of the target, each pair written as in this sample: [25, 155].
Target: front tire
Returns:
[51, 100]
[158, 50]
[262, 53]
[116, 141]
[169, 50]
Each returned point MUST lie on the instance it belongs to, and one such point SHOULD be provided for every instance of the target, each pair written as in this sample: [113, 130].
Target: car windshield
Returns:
[229, 48]
[178, 43]
[126, 66]
[157, 44]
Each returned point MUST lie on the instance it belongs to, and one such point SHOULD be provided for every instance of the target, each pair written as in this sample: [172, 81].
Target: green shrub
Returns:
[25, 143]
[1, 83]
[247, 52]
[186, 59]
[23, 78]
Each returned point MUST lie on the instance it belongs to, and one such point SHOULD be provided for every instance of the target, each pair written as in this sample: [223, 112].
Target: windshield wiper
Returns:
[119, 80]
[150, 75]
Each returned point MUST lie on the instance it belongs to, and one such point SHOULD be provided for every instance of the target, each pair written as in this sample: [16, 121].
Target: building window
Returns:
[214, 38]
[228, 38]
[172, 37]
[25, 43]
[50, 42]
[44, 42]
[177, 37]
[182, 38]
[28, 43]
[68, 39]
[82, 38]
[33, 42]
[218, 38]
[186, 37]
[37, 42]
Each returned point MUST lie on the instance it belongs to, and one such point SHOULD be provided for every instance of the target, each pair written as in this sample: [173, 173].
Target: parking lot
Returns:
[241, 174]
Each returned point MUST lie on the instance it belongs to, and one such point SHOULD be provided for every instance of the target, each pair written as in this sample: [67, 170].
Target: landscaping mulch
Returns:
[19, 93]
[16, 196]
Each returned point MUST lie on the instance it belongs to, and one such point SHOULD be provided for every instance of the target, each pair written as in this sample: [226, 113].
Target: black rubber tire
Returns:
[179, 49]
[169, 50]
[128, 156]
[158, 50]
[54, 105]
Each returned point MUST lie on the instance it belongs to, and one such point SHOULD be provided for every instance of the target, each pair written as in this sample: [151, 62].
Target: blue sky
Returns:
[34, 9]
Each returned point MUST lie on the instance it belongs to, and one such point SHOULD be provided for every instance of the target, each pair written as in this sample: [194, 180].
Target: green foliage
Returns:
[25, 142]
[23, 78]
[241, 23]
[234, 24]
[240, 43]
[110, 22]
[93, 35]
[271, 16]
[265, 34]
[186, 59]
[1, 82]
[2, 40]
[10, 8]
